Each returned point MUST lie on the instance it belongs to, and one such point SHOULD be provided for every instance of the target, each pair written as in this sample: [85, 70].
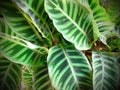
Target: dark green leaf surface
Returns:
[69, 69]
[10, 75]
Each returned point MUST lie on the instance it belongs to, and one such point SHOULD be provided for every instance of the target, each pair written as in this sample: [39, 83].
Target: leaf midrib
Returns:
[103, 69]
[71, 67]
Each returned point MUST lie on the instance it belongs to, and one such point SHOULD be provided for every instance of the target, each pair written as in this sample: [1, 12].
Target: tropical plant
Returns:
[59, 45]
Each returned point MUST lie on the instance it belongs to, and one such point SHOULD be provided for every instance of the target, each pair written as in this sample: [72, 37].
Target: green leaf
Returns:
[17, 51]
[10, 75]
[117, 26]
[114, 44]
[105, 71]
[4, 28]
[72, 20]
[35, 9]
[41, 79]
[19, 23]
[37, 78]
[27, 77]
[69, 69]
[102, 25]
[101, 21]
[100, 16]
[113, 8]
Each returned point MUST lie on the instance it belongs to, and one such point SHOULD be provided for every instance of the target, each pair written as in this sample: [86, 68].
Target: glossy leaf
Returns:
[19, 23]
[69, 69]
[5, 29]
[35, 9]
[10, 74]
[101, 21]
[41, 79]
[72, 20]
[27, 77]
[105, 71]
[17, 51]
[100, 16]
[102, 25]
[37, 78]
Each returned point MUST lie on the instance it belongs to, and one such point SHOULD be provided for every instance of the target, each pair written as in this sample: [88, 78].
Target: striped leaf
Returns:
[72, 20]
[4, 28]
[35, 9]
[69, 69]
[113, 9]
[19, 23]
[37, 78]
[102, 25]
[10, 75]
[27, 77]
[100, 16]
[105, 71]
[114, 44]
[118, 58]
[41, 79]
[102, 20]
[17, 51]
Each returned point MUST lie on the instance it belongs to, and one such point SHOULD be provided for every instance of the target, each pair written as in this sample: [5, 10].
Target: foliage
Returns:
[59, 45]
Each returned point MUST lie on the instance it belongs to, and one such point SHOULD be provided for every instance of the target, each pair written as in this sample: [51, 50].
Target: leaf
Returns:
[37, 78]
[27, 77]
[117, 26]
[72, 21]
[113, 8]
[69, 69]
[35, 9]
[105, 71]
[19, 23]
[41, 79]
[10, 75]
[101, 20]
[102, 24]
[100, 16]
[4, 28]
[114, 44]
[17, 51]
